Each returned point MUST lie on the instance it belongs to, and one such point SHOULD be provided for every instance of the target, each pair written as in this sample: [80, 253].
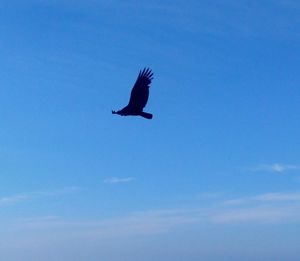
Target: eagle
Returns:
[139, 96]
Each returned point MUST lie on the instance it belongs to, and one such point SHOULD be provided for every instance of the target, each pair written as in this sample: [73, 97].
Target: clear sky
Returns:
[215, 175]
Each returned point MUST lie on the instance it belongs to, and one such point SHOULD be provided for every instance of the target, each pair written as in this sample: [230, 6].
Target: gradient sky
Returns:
[214, 176]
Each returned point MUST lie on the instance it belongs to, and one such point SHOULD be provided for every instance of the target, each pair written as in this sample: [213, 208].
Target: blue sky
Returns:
[214, 176]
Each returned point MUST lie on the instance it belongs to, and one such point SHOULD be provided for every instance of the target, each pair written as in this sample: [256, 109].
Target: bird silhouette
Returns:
[139, 96]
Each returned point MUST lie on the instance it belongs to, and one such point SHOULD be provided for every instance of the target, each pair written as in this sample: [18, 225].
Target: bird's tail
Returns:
[146, 115]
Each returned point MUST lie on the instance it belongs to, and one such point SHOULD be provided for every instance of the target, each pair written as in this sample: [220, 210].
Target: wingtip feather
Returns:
[147, 72]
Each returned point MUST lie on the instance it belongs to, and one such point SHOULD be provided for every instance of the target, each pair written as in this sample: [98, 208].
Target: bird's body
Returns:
[139, 96]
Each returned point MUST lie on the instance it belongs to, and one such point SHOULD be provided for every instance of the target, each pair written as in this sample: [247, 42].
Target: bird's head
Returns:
[118, 112]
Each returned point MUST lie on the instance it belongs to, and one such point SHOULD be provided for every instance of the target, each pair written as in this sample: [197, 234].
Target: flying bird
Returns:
[139, 96]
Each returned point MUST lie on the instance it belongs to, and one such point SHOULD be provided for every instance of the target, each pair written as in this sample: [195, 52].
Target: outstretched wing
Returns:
[140, 91]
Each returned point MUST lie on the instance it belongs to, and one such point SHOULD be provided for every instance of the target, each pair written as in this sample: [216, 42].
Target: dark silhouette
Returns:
[139, 96]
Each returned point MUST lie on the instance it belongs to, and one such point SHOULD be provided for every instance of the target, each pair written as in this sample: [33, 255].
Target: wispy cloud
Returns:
[294, 196]
[266, 207]
[276, 167]
[14, 199]
[135, 224]
[266, 197]
[262, 208]
[9, 200]
[115, 180]
[261, 214]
